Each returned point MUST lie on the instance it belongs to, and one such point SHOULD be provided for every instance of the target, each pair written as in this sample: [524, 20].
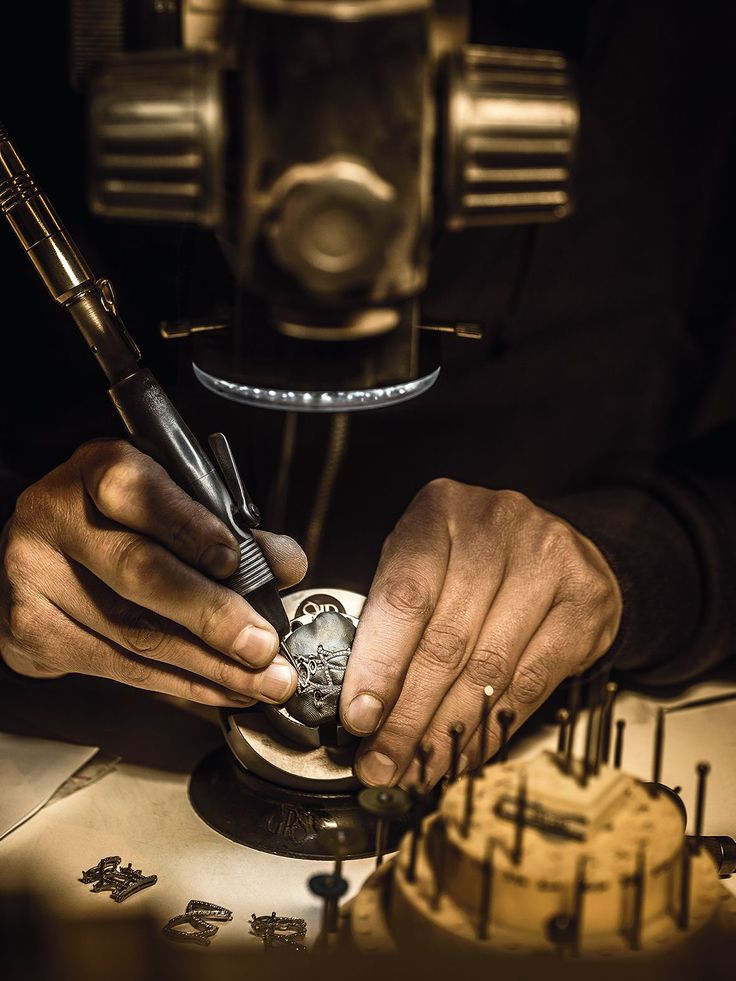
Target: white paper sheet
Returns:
[31, 770]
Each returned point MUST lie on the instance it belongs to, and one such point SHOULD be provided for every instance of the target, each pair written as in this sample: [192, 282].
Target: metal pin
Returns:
[658, 747]
[618, 749]
[341, 847]
[424, 754]
[516, 854]
[611, 693]
[468, 811]
[683, 914]
[563, 721]
[573, 708]
[385, 804]
[703, 770]
[577, 915]
[506, 719]
[456, 733]
[439, 882]
[605, 742]
[420, 801]
[603, 682]
[330, 890]
[485, 714]
[637, 916]
[486, 892]
[598, 754]
[587, 762]
[381, 828]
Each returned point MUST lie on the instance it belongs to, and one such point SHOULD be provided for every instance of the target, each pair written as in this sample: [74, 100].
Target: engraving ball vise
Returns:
[325, 143]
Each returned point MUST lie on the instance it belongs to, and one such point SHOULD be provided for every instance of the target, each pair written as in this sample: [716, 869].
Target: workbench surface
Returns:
[141, 810]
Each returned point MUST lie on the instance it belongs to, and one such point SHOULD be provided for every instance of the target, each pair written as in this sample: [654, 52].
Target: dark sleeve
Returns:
[668, 531]
[11, 485]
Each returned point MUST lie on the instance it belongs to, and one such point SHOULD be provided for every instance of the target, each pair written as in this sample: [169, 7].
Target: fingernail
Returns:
[278, 680]
[219, 560]
[255, 646]
[244, 700]
[376, 769]
[364, 713]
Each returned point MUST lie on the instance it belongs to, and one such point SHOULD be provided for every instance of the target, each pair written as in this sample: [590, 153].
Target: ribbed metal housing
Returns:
[253, 570]
[96, 32]
[156, 138]
[510, 137]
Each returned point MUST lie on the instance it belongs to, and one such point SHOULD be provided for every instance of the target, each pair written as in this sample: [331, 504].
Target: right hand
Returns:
[108, 568]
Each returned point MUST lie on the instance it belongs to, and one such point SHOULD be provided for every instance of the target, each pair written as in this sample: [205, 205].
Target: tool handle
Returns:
[149, 416]
[156, 428]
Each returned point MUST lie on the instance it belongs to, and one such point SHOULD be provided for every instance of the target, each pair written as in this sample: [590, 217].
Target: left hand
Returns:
[474, 587]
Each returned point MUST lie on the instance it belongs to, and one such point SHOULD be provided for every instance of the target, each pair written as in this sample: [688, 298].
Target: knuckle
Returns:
[186, 531]
[490, 665]
[407, 596]
[214, 618]
[23, 622]
[116, 486]
[595, 590]
[443, 645]
[141, 634]
[201, 692]
[400, 730]
[132, 671]
[227, 675]
[28, 505]
[103, 451]
[14, 559]
[508, 506]
[440, 490]
[135, 562]
[557, 539]
[531, 682]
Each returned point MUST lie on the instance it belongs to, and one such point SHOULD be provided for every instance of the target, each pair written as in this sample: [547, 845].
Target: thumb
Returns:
[286, 558]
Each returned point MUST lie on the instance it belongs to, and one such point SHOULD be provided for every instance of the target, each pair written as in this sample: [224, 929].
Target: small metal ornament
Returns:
[197, 914]
[279, 931]
[319, 648]
[121, 882]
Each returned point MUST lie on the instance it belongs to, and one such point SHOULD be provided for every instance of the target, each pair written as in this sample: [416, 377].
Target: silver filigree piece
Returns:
[121, 882]
[197, 915]
[279, 931]
[319, 647]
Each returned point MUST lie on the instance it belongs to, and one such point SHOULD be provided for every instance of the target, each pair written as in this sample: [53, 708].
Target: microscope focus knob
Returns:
[331, 223]
[157, 138]
[512, 121]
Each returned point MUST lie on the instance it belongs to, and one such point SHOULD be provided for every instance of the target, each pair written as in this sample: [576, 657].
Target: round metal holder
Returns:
[281, 820]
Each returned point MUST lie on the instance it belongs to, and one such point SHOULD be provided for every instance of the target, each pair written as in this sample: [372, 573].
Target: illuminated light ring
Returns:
[290, 401]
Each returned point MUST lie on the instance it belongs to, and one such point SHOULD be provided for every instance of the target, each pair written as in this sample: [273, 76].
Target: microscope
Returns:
[324, 144]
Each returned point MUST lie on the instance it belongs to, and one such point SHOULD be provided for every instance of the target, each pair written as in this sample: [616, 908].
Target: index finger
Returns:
[402, 598]
[131, 489]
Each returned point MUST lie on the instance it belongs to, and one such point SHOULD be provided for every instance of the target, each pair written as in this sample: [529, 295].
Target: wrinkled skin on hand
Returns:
[108, 568]
[474, 587]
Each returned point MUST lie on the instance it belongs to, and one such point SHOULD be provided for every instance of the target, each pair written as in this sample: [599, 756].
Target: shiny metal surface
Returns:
[276, 747]
[343, 10]
[512, 122]
[289, 401]
[157, 135]
[330, 223]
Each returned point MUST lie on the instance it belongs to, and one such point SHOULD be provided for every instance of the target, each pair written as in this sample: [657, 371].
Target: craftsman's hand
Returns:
[108, 568]
[474, 587]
